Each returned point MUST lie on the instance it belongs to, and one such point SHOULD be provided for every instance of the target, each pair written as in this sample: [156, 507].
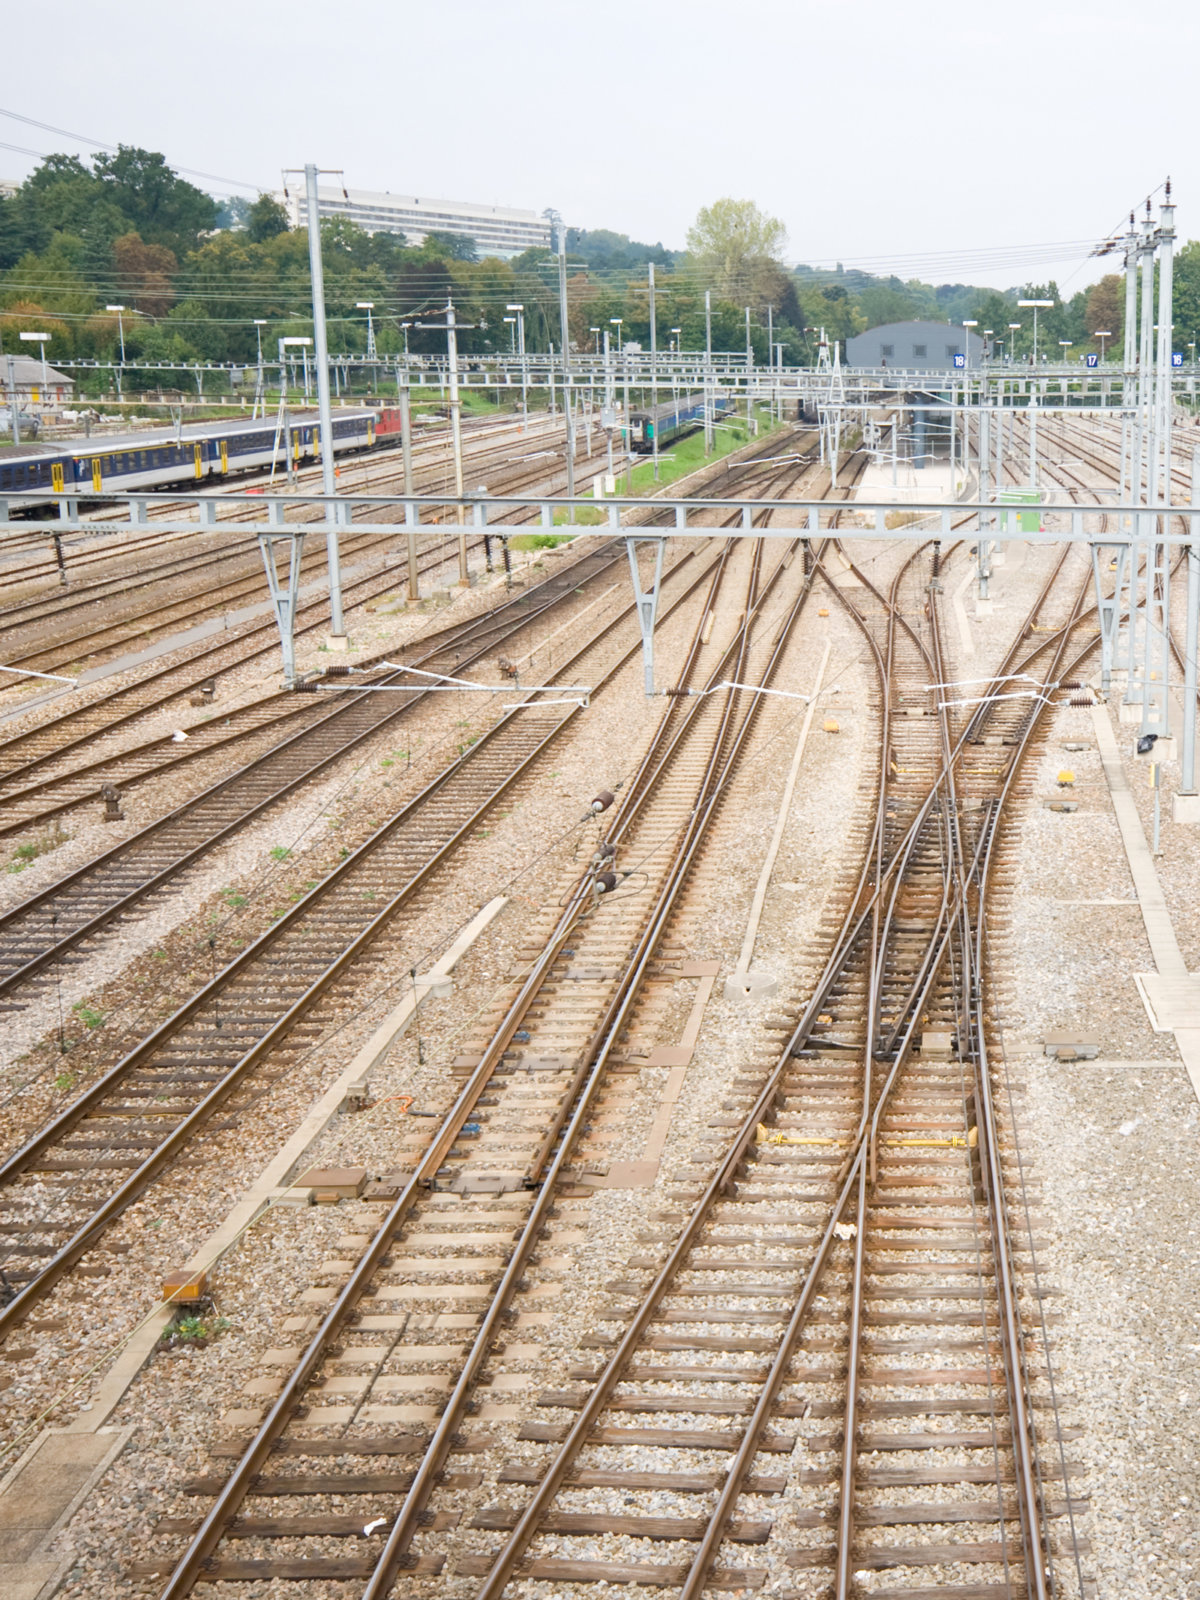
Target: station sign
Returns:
[960, 361]
[1093, 360]
[1176, 358]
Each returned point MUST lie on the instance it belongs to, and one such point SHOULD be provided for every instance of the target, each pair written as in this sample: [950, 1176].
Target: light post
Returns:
[677, 340]
[404, 327]
[1065, 345]
[520, 311]
[1192, 348]
[337, 627]
[121, 335]
[968, 324]
[617, 322]
[595, 340]
[368, 306]
[1013, 327]
[987, 349]
[41, 339]
[512, 334]
[1037, 305]
[1102, 334]
[261, 388]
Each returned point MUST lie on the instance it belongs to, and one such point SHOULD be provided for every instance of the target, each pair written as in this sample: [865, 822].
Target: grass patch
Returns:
[687, 455]
[40, 845]
[585, 517]
[280, 852]
[542, 541]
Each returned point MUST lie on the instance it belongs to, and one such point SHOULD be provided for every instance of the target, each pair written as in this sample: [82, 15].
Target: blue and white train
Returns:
[32, 481]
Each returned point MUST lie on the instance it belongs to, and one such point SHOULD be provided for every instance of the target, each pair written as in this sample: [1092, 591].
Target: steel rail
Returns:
[341, 709]
[19, 1308]
[190, 1565]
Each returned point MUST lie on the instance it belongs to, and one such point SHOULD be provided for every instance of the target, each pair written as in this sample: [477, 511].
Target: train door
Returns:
[56, 476]
[97, 475]
[198, 459]
[224, 455]
[370, 431]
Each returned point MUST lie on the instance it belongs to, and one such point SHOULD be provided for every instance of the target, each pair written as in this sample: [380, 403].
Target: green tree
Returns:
[265, 219]
[740, 248]
[163, 207]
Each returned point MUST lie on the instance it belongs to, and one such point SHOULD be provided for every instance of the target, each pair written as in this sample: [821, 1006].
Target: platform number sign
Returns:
[960, 361]
[1093, 360]
[1176, 358]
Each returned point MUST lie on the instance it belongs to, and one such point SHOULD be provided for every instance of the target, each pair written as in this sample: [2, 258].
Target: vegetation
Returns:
[193, 276]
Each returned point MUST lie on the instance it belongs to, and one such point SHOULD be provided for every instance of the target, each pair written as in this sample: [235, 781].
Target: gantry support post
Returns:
[284, 596]
[646, 600]
[1109, 607]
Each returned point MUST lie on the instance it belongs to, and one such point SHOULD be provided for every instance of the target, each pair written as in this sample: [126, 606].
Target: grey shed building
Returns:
[927, 346]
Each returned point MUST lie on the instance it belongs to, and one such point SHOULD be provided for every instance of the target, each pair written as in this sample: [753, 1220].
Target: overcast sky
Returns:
[985, 143]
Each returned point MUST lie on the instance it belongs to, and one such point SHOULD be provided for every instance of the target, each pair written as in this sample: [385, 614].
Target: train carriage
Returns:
[671, 420]
[32, 481]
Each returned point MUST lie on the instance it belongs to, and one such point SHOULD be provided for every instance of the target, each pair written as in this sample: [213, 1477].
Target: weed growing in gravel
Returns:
[65, 1080]
[40, 845]
[280, 852]
[235, 902]
[194, 1330]
[89, 1017]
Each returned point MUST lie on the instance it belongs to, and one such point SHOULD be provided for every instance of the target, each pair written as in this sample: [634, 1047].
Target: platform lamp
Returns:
[368, 306]
[1037, 305]
[968, 324]
[121, 336]
[43, 340]
[520, 311]
[595, 341]
[1065, 345]
[1102, 334]
[987, 334]
[1013, 327]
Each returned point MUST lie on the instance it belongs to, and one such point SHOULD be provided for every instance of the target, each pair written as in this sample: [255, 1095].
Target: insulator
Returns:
[304, 688]
[339, 672]
[676, 694]
[1071, 685]
[606, 882]
[606, 850]
[603, 800]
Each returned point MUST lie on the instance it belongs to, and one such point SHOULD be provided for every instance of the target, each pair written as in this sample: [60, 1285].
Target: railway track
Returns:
[568, 1017]
[44, 928]
[846, 1289]
[62, 1188]
[41, 644]
[848, 1277]
[34, 797]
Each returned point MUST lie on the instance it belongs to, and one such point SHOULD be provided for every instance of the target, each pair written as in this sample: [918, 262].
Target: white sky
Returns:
[916, 136]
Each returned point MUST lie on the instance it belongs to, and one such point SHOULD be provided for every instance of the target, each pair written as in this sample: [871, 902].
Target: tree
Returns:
[1105, 307]
[741, 247]
[449, 247]
[265, 219]
[1186, 296]
[163, 207]
[144, 273]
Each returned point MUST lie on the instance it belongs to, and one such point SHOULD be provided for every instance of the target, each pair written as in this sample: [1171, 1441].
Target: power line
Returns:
[105, 144]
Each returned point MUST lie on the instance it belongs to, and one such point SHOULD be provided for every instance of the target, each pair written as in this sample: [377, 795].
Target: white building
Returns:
[496, 230]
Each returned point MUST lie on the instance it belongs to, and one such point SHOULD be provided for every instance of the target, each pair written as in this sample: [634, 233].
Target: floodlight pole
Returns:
[653, 372]
[336, 625]
[566, 359]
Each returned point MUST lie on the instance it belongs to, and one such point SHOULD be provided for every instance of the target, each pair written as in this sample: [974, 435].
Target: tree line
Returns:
[202, 281]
